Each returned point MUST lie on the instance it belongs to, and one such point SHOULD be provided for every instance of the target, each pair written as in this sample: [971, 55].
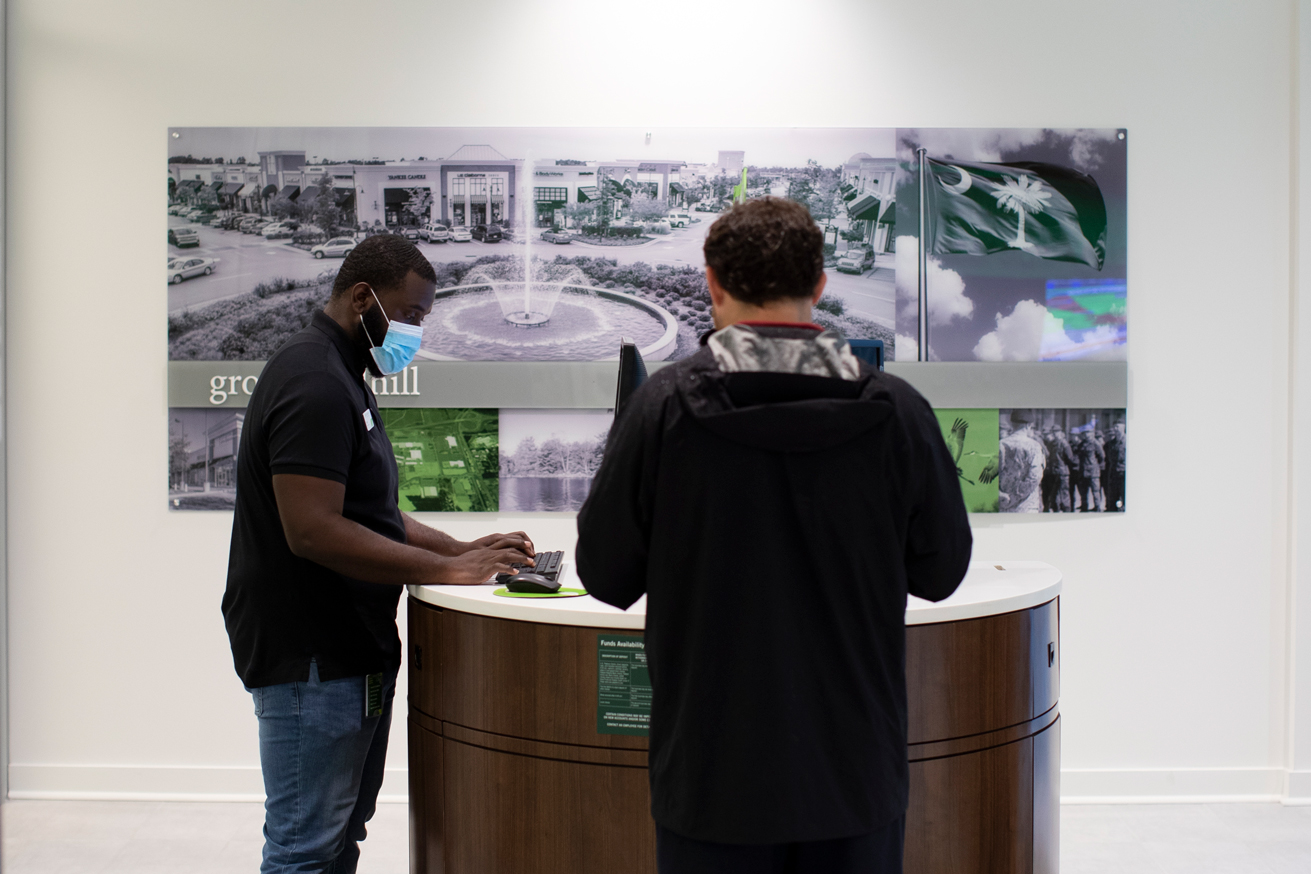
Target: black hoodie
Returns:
[776, 522]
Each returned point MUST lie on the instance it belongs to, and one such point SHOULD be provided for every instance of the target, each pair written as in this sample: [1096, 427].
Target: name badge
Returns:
[368, 421]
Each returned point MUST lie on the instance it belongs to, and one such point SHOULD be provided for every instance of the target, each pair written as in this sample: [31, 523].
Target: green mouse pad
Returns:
[563, 593]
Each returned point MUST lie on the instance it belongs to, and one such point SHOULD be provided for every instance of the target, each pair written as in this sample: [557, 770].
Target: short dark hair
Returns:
[765, 250]
[383, 261]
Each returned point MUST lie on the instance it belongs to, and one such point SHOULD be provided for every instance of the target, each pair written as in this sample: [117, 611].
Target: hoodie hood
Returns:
[783, 389]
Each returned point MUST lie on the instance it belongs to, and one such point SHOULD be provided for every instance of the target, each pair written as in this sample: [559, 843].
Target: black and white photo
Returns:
[202, 458]
[548, 457]
[1062, 461]
[549, 243]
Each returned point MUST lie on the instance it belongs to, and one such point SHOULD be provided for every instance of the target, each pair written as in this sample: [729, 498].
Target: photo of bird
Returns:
[972, 437]
[956, 443]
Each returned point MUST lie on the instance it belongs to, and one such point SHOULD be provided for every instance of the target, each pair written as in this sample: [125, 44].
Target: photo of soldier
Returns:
[1114, 480]
[1083, 459]
[1090, 457]
[1023, 461]
[1056, 479]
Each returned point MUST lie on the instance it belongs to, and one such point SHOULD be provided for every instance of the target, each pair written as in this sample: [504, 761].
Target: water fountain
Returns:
[498, 314]
[527, 309]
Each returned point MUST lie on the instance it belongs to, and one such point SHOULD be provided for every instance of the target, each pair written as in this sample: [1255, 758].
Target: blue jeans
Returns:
[323, 763]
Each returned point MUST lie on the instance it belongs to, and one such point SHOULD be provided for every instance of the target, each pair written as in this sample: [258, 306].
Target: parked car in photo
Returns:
[185, 268]
[410, 233]
[192, 214]
[278, 230]
[460, 234]
[707, 206]
[177, 208]
[855, 260]
[678, 219]
[255, 227]
[435, 233]
[557, 236]
[183, 237]
[487, 233]
[337, 247]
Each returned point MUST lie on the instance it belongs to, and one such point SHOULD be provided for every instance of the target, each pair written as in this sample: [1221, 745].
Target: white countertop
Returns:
[990, 588]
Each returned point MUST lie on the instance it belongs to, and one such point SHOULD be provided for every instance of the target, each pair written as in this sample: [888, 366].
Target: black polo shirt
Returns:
[311, 414]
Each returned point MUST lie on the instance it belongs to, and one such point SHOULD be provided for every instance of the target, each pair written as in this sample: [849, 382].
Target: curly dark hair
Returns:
[382, 261]
[765, 250]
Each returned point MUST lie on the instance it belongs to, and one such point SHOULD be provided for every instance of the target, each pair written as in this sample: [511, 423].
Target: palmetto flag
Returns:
[1043, 209]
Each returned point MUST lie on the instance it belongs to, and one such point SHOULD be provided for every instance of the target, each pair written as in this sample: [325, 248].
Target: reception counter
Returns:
[512, 770]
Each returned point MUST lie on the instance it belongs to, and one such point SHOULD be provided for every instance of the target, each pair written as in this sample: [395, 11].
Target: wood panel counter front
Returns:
[509, 775]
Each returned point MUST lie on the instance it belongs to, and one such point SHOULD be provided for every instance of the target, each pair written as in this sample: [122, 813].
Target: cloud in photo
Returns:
[1018, 336]
[947, 299]
[998, 144]
[908, 349]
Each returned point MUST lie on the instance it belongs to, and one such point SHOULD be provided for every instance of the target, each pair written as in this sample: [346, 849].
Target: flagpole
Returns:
[924, 259]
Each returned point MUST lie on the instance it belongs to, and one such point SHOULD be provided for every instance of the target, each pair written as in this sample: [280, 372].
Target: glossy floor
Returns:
[100, 837]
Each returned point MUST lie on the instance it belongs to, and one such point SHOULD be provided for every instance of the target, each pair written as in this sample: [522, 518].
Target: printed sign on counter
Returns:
[623, 685]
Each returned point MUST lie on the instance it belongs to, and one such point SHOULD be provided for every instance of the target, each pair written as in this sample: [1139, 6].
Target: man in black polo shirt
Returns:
[775, 499]
[320, 551]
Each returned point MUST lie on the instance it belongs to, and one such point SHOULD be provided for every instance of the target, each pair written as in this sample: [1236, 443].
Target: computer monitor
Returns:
[869, 351]
[632, 373]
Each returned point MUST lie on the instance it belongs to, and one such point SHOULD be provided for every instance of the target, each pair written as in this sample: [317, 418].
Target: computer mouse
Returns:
[532, 583]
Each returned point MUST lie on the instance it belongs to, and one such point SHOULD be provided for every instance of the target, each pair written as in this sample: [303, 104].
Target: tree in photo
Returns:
[580, 214]
[418, 205]
[283, 208]
[555, 457]
[177, 457]
[325, 212]
[642, 207]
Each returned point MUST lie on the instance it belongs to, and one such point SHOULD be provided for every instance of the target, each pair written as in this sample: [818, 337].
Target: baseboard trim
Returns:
[1172, 785]
[160, 783]
[1171, 799]
[1297, 790]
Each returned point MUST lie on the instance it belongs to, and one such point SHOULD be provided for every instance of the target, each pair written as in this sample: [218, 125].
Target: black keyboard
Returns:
[548, 565]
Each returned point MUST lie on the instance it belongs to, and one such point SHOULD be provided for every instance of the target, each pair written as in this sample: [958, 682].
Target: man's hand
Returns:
[515, 539]
[479, 565]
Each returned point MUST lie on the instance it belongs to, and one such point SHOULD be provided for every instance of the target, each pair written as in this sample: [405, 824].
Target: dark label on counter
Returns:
[623, 686]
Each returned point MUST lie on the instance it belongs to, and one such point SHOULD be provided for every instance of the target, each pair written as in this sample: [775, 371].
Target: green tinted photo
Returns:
[447, 460]
[972, 439]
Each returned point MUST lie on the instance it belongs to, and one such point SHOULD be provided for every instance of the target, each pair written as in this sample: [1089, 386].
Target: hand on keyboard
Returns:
[548, 565]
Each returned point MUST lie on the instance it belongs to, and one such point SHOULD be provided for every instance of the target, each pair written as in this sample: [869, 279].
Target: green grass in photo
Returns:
[973, 439]
[448, 460]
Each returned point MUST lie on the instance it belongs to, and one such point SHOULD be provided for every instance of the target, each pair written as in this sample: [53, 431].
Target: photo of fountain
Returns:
[499, 314]
[527, 309]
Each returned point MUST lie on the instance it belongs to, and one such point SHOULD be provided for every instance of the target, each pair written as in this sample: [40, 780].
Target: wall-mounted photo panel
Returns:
[1062, 461]
[447, 460]
[1026, 251]
[550, 457]
[202, 458]
[972, 437]
[549, 244]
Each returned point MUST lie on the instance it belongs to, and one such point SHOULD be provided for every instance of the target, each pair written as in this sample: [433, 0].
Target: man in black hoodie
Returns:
[775, 499]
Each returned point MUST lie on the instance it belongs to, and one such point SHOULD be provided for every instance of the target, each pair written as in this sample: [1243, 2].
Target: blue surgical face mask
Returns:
[398, 346]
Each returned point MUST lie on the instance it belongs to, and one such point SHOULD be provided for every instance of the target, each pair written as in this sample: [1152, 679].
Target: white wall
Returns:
[1174, 617]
